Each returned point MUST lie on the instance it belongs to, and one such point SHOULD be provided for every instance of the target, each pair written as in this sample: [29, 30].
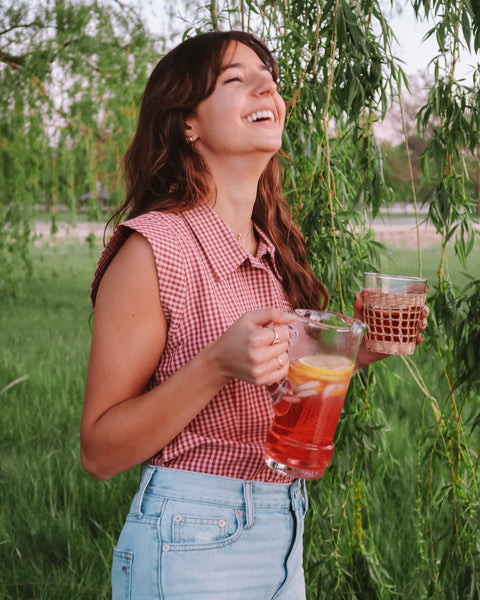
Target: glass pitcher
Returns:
[307, 404]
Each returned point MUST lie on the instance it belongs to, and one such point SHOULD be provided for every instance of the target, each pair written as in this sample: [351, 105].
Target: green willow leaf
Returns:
[466, 27]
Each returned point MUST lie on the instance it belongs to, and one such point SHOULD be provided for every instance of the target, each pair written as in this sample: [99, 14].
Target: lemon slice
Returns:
[321, 367]
[327, 362]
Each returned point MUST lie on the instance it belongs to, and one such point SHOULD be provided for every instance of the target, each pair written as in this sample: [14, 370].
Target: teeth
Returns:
[261, 114]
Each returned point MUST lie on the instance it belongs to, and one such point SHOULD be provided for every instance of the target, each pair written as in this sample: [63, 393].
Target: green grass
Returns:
[405, 261]
[370, 515]
[57, 524]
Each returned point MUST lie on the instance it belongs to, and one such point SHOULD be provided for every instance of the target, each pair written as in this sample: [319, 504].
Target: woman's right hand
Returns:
[254, 348]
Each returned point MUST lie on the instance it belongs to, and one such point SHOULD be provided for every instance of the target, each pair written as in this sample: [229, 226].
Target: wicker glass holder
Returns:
[393, 320]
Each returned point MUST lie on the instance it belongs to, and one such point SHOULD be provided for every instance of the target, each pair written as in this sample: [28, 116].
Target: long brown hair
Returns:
[164, 173]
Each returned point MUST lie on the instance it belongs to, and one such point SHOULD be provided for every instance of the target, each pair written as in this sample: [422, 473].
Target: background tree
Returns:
[71, 76]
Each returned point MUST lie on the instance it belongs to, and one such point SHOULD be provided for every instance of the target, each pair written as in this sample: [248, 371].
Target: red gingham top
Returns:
[206, 282]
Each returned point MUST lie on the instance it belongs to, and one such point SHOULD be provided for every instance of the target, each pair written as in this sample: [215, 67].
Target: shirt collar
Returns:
[221, 248]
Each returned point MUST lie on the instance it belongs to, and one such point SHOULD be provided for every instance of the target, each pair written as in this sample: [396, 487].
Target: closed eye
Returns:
[232, 79]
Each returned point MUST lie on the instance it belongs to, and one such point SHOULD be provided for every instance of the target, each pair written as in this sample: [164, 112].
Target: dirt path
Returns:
[80, 231]
[405, 234]
[402, 234]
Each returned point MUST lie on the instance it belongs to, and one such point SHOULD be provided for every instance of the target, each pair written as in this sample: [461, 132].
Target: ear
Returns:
[189, 129]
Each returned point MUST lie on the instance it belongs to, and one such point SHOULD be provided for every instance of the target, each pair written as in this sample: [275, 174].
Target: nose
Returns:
[264, 84]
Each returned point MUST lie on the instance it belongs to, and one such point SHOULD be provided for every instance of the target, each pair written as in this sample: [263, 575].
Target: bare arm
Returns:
[122, 427]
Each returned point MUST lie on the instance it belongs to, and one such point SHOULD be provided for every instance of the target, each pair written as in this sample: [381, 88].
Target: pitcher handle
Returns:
[278, 390]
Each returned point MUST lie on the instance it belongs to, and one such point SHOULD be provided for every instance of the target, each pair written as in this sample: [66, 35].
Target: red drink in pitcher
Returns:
[300, 441]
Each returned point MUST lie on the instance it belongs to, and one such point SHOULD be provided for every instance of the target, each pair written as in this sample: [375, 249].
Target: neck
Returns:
[236, 194]
[241, 167]
[236, 179]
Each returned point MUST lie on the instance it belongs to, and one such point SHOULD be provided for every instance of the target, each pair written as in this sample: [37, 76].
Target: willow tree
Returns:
[339, 74]
[71, 76]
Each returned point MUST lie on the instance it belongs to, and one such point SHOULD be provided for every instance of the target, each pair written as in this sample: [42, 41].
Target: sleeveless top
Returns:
[206, 282]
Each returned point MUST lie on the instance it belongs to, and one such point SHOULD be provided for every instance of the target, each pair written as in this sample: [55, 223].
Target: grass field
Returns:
[406, 262]
[57, 524]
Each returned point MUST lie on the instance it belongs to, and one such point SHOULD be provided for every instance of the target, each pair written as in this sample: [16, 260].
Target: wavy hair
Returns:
[164, 173]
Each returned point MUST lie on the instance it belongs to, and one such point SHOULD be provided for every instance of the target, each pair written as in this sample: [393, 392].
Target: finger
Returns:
[276, 374]
[358, 306]
[278, 366]
[358, 303]
[281, 360]
[276, 338]
[423, 324]
[280, 333]
[273, 369]
[274, 355]
[264, 316]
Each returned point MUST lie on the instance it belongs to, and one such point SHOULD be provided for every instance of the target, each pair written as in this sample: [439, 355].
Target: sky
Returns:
[417, 53]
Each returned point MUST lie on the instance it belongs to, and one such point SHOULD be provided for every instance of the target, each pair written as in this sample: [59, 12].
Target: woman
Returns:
[190, 298]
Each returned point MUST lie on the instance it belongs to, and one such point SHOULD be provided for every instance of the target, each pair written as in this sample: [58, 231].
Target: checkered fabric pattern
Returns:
[206, 282]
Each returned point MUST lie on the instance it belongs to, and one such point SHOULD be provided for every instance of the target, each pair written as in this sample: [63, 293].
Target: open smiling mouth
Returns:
[261, 115]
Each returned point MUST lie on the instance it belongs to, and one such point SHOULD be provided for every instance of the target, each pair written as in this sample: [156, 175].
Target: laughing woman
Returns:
[190, 300]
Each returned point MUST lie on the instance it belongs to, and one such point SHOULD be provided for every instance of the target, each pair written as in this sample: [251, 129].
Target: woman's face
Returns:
[244, 114]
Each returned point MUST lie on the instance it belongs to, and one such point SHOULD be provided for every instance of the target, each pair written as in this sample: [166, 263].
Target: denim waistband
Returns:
[177, 483]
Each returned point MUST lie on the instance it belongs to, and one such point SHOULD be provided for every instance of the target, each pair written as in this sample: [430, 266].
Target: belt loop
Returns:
[298, 495]
[249, 507]
[147, 474]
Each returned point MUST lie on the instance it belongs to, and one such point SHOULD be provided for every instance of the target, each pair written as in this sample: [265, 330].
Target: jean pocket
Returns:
[190, 526]
[122, 574]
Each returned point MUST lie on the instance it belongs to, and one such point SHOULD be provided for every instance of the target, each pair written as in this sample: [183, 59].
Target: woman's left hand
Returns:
[366, 357]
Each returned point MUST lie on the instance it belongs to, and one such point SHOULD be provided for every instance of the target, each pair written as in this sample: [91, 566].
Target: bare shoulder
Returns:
[131, 272]
[135, 253]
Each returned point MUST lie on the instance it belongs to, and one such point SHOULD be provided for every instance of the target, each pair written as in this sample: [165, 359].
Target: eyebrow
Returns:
[238, 65]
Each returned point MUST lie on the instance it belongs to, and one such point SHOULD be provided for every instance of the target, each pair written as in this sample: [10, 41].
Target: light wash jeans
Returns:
[191, 536]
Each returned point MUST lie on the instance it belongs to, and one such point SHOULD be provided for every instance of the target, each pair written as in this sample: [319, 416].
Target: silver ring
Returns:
[280, 361]
[275, 339]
